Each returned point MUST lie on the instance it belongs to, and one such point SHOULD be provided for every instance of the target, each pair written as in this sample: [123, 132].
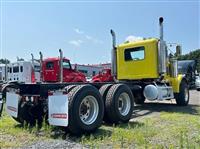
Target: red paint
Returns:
[104, 76]
[33, 80]
[12, 108]
[59, 115]
[51, 71]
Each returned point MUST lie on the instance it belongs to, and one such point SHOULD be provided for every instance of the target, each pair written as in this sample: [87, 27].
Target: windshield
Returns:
[66, 65]
[104, 72]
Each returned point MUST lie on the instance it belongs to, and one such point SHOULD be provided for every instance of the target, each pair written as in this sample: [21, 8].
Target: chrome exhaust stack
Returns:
[174, 68]
[32, 59]
[41, 60]
[162, 53]
[113, 55]
[61, 66]
[161, 27]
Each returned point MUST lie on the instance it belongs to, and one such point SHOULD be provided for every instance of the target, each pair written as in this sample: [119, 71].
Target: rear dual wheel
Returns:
[118, 100]
[86, 109]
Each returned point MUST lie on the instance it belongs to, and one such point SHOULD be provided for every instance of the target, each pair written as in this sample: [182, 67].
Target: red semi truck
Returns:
[104, 76]
[51, 69]
[48, 71]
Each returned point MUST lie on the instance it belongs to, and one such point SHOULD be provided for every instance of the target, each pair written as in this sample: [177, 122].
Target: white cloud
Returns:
[78, 31]
[132, 38]
[76, 43]
[94, 40]
[88, 37]
[98, 41]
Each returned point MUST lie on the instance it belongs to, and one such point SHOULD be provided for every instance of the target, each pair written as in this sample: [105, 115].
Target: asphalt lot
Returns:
[151, 108]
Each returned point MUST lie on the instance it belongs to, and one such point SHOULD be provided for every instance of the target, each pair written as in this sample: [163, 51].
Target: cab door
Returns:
[67, 71]
[51, 71]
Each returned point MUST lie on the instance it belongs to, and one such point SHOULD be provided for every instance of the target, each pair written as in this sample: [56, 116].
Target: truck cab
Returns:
[51, 71]
[103, 76]
[24, 71]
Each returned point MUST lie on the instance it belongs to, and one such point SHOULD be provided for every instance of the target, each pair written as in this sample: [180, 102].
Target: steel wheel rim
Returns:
[88, 110]
[186, 94]
[124, 104]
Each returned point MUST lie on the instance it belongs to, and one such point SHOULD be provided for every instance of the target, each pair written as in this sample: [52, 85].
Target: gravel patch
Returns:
[52, 144]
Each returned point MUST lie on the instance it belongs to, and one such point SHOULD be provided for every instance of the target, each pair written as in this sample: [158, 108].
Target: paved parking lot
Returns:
[150, 108]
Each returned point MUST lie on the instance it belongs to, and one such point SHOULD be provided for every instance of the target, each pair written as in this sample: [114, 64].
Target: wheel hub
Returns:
[88, 110]
[124, 104]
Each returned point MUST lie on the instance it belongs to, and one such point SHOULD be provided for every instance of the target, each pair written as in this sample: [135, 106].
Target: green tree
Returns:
[193, 55]
[4, 61]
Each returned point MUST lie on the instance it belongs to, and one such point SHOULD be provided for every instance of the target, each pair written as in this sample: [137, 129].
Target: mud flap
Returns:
[12, 100]
[58, 109]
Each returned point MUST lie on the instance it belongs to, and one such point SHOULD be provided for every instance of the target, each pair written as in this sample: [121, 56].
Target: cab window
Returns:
[21, 68]
[136, 53]
[49, 65]
[15, 69]
[10, 70]
[66, 65]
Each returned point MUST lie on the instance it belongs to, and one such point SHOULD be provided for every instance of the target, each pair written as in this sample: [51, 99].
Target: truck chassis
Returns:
[80, 107]
[88, 104]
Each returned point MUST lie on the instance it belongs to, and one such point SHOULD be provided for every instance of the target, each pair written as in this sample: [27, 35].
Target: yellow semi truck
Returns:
[141, 70]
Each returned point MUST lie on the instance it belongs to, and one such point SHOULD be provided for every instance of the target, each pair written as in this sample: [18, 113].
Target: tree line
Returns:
[193, 55]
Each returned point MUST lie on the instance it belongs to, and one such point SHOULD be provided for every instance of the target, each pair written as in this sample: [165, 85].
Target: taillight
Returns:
[30, 98]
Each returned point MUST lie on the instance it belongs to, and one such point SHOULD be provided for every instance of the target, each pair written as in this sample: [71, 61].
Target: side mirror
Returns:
[178, 50]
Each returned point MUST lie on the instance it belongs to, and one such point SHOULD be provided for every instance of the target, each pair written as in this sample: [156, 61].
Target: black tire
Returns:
[198, 89]
[69, 88]
[1, 106]
[112, 103]
[103, 91]
[182, 98]
[25, 114]
[76, 96]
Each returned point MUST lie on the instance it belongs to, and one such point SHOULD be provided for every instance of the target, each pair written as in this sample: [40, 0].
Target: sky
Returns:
[82, 28]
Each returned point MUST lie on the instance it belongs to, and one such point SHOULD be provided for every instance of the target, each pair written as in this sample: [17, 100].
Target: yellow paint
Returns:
[138, 69]
[175, 82]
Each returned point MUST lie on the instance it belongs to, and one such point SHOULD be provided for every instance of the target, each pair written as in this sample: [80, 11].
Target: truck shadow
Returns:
[102, 132]
[155, 108]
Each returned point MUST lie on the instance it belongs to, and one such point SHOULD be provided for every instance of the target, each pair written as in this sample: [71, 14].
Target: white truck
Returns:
[24, 71]
[20, 71]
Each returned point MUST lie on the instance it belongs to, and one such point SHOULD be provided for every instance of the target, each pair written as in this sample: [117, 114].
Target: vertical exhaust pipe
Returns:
[61, 66]
[6, 71]
[162, 53]
[32, 59]
[161, 27]
[41, 61]
[113, 55]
